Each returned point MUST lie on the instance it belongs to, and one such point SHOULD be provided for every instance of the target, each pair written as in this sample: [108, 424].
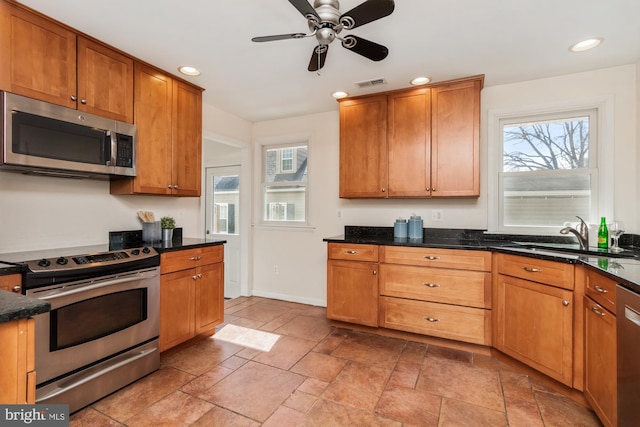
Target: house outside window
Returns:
[549, 170]
[285, 183]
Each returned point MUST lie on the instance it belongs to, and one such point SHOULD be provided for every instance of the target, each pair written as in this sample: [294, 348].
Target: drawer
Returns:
[546, 272]
[352, 252]
[459, 287]
[11, 283]
[440, 258]
[601, 289]
[190, 258]
[466, 324]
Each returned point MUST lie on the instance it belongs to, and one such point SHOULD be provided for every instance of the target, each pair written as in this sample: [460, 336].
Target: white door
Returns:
[223, 220]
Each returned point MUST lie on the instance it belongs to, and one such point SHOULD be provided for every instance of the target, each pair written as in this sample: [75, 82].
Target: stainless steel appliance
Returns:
[102, 331]
[628, 325]
[43, 138]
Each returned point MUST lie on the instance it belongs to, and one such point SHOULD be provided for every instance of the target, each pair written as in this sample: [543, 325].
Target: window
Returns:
[549, 171]
[284, 183]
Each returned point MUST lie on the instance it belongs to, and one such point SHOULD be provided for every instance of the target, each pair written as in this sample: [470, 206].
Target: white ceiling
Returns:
[507, 40]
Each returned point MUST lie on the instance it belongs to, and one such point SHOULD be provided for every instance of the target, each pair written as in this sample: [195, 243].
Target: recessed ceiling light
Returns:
[339, 94]
[189, 71]
[420, 81]
[585, 45]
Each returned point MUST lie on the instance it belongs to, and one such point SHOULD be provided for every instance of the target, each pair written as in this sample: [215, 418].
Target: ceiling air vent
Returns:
[373, 82]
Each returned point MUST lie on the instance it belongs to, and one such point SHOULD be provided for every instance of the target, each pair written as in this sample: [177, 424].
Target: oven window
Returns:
[97, 317]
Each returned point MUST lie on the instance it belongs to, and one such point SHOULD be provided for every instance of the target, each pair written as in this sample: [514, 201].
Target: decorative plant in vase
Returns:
[167, 223]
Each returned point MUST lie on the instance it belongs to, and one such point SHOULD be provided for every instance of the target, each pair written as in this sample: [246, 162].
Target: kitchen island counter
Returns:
[17, 306]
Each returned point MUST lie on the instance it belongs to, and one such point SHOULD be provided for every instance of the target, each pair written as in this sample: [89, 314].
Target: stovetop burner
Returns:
[89, 260]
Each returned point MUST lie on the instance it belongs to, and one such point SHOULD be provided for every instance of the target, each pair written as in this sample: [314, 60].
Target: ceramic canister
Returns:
[415, 227]
[400, 229]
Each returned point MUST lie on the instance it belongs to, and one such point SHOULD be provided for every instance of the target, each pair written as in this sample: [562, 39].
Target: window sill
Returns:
[284, 227]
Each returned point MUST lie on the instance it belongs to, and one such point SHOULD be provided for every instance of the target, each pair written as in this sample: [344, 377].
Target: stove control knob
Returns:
[146, 250]
[44, 262]
[135, 252]
[62, 261]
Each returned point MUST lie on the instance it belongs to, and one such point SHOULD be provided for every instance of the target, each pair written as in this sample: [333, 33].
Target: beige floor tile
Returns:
[438, 352]
[370, 349]
[284, 417]
[300, 401]
[523, 413]
[177, 409]
[254, 390]
[206, 381]
[320, 366]
[413, 352]
[220, 417]
[286, 352]
[133, 399]
[358, 385]
[89, 417]
[325, 413]
[261, 312]
[411, 407]
[310, 328]
[458, 413]
[460, 381]
[201, 357]
[558, 410]
[405, 375]
[313, 386]
[516, 386]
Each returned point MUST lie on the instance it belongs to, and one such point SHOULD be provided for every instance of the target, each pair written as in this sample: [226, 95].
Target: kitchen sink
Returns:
[574, 249]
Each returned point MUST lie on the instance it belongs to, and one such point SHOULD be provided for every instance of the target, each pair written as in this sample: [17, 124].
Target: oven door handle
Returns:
[101, 284]
[75, 382]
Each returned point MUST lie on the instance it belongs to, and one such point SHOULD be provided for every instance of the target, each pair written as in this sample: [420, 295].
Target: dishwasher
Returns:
[628, 324]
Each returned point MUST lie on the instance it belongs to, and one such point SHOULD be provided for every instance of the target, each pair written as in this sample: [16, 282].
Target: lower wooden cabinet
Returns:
[17, 367]
[191, 294]
[11, 283]
[600, 350]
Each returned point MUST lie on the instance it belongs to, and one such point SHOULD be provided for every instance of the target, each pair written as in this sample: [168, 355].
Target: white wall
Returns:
[301, 256]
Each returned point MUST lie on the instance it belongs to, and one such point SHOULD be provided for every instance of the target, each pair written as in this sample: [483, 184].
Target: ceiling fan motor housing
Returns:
[327, 28]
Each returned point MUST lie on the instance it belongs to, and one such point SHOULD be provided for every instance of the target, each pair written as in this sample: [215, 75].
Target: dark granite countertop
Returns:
[625, 271]
[185, 243]
[17, 306]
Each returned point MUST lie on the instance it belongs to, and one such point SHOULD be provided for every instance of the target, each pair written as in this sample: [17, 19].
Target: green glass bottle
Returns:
[603, 234]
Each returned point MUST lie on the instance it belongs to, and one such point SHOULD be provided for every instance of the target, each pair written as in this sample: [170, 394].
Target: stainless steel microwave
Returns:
[43, 138]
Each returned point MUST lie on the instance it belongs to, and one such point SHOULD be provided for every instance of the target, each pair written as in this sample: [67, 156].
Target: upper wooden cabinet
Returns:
[45, 60]
[169, 122]
[412, 143]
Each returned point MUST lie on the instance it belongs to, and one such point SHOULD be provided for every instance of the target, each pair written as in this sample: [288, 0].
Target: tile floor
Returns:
[319, 375]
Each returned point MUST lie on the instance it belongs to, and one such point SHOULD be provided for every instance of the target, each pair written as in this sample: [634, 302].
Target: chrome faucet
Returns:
[581, 231]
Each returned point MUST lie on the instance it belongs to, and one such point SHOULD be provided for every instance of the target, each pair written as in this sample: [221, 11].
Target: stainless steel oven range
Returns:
[102, 331]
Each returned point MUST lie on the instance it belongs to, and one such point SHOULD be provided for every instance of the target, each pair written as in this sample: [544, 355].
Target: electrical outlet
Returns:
[436, 215]
[275, 269]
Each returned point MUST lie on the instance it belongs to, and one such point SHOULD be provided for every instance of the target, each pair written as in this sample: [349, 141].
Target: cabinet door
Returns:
[11, 283]
[352, 292]
[17, 357]
[363, 147]
[409, 143]
[187, 140]
[176, 308]
[209, 297]
[534, 325]
[153, 95]
[455, 133]
[600, 385]
[38, 57]
[105, 81]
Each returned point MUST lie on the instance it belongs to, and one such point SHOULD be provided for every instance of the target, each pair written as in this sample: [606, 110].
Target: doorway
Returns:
[222, 220]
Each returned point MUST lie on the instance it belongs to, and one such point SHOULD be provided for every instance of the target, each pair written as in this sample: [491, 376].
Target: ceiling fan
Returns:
[326, 23]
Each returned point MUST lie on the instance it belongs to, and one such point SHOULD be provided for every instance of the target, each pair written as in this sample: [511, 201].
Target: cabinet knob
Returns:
[175, 187]
[199, 275]
[17, 289]
[431, 285]
[601, 290]
[433, 188]
[375, 272]
[431, 257]
[194, 277]
[351, 252]
[73, 98]
[383, 190]
[83, 101]
[565, 303]
[169, 186]
[430, 319]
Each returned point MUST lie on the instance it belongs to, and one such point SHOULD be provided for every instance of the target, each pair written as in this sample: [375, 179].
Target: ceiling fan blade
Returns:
[366, 48]
[366, 12]
[304, 8]
[278, 37]
[318, 57]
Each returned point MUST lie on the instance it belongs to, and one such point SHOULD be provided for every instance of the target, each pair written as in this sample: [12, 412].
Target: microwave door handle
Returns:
[111, 146]
[101, 284]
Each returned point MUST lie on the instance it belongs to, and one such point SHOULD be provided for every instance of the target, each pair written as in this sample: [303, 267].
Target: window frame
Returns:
[261, 147]
[601, 135]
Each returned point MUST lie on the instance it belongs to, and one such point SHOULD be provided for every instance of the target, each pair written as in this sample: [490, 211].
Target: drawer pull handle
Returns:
[600, 289]
[431, 257]
[351, 252]
[431, 285]
[430, 319]
[597, 311]
[532, 270]
[195, 258]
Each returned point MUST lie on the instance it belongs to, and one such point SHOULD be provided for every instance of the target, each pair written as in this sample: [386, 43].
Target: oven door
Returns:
[92, 320]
